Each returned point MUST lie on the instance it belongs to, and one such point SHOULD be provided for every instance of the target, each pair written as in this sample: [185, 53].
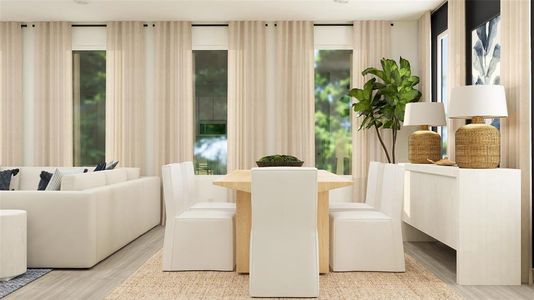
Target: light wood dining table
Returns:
[240, 180]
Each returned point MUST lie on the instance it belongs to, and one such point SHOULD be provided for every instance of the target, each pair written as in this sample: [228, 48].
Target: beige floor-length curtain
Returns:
[295, 104]
[246, 94]
[11, 94]
[424, 57]
[456, 32]
[53, 94]
[125, 93]
[516, 129]
[174, 134]
[372, 41]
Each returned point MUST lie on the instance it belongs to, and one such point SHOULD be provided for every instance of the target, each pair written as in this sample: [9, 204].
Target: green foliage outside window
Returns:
[89, 96]
[333, 142]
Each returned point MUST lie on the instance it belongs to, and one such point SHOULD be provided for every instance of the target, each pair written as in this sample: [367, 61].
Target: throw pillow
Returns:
[55, 181]
[100, 167]
[5, 178]
[112, 165]
[45, 179]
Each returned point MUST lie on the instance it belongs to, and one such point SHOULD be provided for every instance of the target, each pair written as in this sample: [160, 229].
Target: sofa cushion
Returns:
[132, 173]
[30, 177]
[55, 181]
[84, 181]
[115, 176]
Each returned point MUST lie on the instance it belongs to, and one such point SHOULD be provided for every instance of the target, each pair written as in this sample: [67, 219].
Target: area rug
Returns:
[149, 282]
[8, 287]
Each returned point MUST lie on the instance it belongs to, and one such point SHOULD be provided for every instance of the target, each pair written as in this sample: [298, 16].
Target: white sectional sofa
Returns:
[93, 215]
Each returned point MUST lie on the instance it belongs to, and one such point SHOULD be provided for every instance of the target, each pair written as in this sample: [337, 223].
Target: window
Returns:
[442, 68]
[333, 142]
[210, 94]
[89, 96]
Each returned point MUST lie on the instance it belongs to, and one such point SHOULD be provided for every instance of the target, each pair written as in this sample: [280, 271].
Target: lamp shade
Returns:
[488, 101]
[424, 113]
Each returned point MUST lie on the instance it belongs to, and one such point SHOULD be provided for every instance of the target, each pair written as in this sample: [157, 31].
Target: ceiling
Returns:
[213, 10]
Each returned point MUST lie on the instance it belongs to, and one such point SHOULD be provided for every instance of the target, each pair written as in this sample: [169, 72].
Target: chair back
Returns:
[284, 255]
[374, 183]
[392, 191]
[190, 184]
[173, 190]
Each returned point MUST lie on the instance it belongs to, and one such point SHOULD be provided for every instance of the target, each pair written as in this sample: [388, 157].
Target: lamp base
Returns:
[424, 145]
[478, 146]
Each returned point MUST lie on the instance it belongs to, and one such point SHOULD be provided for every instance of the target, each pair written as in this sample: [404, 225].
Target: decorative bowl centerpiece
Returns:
[279, 160]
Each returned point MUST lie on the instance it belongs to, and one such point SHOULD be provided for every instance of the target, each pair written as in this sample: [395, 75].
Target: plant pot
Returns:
[263, 164]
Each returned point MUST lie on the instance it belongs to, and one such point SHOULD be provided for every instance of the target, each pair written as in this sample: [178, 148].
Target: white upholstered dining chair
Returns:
[193, 196]
[374, 184]
[200, 239]
[371, 240]
[284, 254]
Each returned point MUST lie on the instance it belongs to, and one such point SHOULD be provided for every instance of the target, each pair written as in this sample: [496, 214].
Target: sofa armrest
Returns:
[124, 211]
[61, 226]
[77, 229]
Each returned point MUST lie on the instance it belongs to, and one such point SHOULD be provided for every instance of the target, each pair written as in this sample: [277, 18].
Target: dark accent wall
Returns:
[477, 12]
[438, 21]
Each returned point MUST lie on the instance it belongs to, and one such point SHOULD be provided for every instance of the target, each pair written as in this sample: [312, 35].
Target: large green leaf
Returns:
[374, 71]
[404, 63]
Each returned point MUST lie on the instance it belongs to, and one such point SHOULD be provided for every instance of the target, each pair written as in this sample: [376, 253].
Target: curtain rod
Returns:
[334, 24]
[202, 25]
[144, 25]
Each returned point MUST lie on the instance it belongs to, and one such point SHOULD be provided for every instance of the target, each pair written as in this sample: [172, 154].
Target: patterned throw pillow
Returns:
[5, 178]
[100, 167]
[112, 165]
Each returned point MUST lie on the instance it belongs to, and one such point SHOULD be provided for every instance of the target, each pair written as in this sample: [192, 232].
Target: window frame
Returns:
[86, 38]
[440, 37]
[439, 96]
[334, 38]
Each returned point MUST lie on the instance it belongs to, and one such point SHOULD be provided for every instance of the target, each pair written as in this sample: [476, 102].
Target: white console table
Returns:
[477, 212]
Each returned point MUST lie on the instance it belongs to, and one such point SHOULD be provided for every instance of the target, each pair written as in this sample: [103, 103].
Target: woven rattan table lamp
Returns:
[424, 144]
[478, 145]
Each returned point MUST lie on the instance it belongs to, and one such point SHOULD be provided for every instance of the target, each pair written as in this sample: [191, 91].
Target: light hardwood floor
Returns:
[99, 281]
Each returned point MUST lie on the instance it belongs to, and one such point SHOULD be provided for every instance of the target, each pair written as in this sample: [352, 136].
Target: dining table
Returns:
[240, 181]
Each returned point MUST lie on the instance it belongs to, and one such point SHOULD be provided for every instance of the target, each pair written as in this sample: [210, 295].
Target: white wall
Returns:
[332, 37]
[88, 38]
[209, 38]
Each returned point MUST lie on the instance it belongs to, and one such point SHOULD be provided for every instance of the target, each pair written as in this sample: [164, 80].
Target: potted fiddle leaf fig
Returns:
[383, 98]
